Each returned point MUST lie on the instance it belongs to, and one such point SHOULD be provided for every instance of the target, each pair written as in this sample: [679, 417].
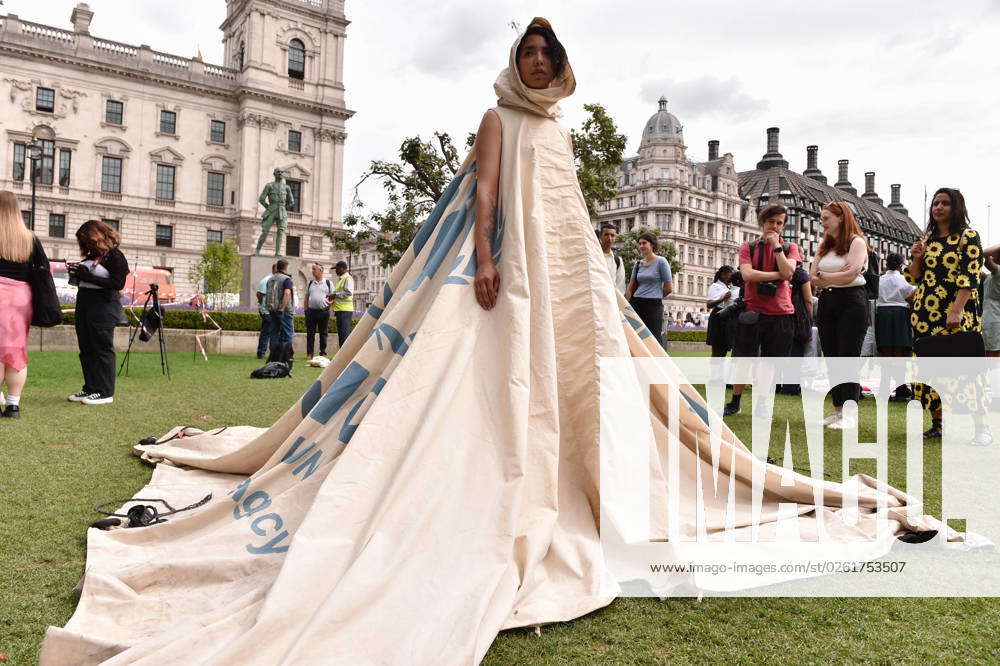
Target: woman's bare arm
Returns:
[487, 283]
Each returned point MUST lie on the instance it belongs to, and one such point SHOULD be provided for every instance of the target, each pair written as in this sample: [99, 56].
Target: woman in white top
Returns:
[843, 303]
[892, 310]
[893, 335]
[722, 294]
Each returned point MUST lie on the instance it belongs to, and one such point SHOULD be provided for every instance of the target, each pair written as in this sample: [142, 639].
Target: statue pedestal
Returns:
[255, 268]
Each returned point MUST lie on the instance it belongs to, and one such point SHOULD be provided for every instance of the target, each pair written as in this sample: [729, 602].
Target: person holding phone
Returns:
[101, 276]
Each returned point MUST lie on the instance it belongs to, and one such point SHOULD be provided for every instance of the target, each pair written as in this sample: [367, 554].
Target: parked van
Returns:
[138, 281]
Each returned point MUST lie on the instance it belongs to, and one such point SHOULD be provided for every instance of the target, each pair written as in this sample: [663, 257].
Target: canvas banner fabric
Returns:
[439, 481]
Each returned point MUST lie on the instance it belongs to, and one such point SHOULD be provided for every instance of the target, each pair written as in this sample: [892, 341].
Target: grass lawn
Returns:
[61, 459]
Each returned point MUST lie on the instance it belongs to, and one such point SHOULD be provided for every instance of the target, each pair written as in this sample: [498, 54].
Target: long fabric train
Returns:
[439, 482]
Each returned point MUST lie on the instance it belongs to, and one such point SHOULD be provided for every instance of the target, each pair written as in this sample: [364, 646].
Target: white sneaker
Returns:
[983, 437]
[843, 423]
[78, 396]
[97, 399]
[831, 418]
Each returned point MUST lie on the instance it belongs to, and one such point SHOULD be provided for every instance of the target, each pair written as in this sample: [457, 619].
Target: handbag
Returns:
[45, 310]
[961, 344]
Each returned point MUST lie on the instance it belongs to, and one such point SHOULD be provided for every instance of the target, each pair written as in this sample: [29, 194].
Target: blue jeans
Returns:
[264, 339]
[282, 327]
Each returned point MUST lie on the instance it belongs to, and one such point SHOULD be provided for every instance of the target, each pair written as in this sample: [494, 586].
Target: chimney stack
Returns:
[81, 18]
[842, 182]
[772, 158]
[713, 149]
[896, 204]
[870, 193]
[812, 162]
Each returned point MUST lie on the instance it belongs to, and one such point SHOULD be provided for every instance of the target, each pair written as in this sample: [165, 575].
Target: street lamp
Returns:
[34, 154]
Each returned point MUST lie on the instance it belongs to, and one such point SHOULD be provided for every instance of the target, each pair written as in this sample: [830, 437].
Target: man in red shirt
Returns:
[767, 326]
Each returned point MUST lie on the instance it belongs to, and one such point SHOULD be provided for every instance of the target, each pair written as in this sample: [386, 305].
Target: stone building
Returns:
[169, 149]
[694, 205]
[889, 228]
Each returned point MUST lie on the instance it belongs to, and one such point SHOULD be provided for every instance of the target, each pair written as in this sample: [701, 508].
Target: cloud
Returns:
[468, 38]
[706, 96]
[931, 44]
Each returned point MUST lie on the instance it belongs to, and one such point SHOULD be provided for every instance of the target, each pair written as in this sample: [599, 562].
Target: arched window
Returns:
[296, 59]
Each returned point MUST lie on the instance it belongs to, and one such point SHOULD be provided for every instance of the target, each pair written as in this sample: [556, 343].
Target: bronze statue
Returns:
[276, 197]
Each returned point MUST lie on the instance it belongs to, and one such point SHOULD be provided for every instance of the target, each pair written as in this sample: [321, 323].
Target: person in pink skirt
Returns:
[19, 249]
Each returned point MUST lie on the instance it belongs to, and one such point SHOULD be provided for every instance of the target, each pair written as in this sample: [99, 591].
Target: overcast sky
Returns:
[909, 89]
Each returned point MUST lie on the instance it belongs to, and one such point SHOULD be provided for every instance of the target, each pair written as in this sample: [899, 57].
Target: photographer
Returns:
[722, 294]
[767, 325]
[101, 276]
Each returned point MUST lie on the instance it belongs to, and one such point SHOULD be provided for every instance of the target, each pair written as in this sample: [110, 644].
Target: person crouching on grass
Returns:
[767, 326]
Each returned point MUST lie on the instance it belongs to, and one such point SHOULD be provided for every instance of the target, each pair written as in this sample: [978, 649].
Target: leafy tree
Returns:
[415, 182]
[629, 251]
[598, 149]
[413, 185]
[218, 269]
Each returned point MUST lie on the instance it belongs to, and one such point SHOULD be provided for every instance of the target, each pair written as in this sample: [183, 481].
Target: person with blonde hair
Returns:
[19, 251]
[101, 276]
[837, 273]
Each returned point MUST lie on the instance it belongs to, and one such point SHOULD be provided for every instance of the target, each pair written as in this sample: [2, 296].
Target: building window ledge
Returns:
[114, 126]
[217, 144]
[63, 190]
[297, 216]
[296, 84]
[172, 136]
[114, 196]
[165, 202]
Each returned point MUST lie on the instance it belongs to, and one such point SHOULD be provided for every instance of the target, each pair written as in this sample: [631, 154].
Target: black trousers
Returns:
[343, 326]
[97, 312]
[650, 311]
[770, 337]
[317, 321]
[842, 322]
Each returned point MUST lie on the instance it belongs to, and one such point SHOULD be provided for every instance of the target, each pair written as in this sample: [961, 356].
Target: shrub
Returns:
[688, 335]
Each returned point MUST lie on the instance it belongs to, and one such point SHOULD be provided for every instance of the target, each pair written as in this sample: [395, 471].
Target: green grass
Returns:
[61, 459]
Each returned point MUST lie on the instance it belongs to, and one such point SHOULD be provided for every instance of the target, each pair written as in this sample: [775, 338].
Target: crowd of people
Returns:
[942, 290]
[321, 298]
[771, 305]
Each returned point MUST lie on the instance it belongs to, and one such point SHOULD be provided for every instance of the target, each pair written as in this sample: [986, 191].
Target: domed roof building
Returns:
[663, 125]
[693, 204]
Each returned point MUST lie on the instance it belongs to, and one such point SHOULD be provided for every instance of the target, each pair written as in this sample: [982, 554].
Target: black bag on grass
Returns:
[272, 370]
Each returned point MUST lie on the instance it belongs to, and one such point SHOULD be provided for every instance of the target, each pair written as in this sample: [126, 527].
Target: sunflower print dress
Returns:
[950, 263]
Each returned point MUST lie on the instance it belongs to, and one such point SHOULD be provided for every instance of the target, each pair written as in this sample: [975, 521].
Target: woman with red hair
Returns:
[837, 272]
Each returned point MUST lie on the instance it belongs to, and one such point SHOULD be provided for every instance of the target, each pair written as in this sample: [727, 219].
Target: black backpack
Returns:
[872, 276]
[272, 370]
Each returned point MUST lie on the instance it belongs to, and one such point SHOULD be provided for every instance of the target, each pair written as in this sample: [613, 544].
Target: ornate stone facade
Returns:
[695, 205]
[173, 149]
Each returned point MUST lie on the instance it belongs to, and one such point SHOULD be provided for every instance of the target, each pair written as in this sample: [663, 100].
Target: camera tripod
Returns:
[152, 315]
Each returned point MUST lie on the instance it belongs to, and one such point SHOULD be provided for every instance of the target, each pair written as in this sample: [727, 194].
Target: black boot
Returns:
[11, 412]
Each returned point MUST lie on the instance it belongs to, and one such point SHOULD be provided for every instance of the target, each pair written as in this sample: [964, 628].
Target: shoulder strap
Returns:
[328, 287]
[618, 260]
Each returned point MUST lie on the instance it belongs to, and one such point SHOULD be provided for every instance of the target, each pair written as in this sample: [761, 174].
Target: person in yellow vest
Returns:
[343, 301]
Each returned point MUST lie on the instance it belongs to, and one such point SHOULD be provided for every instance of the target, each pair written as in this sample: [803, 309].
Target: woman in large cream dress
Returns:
[439, 482]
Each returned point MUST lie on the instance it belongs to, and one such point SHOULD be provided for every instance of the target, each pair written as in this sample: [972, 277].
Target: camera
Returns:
[769, 288]
[736, 280]
[73, 278]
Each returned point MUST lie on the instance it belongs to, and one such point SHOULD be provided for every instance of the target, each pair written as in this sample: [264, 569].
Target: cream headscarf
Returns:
[511, 91]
